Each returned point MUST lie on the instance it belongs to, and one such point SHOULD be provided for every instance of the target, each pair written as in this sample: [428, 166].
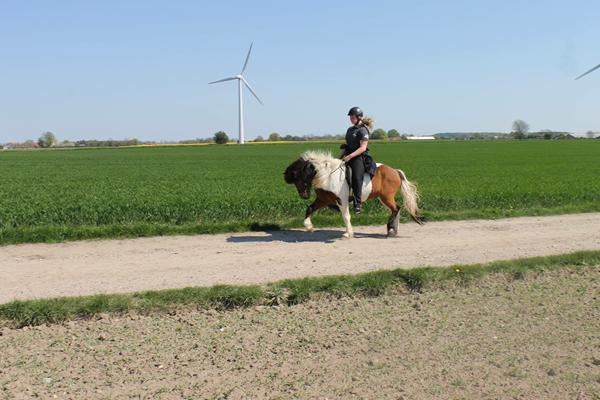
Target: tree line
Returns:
[520, 131]
[49, 139]
[378, 134]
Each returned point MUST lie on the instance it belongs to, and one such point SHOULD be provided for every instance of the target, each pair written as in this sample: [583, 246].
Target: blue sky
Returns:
[117, 69]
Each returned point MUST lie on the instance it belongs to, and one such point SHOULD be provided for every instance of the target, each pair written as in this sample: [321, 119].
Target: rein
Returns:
[341, 165]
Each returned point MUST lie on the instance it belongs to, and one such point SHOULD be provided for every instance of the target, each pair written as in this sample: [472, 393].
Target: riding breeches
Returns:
[358, 172]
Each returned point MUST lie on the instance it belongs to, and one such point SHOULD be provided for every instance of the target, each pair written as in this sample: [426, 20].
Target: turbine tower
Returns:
[587, 72]
[241, 81]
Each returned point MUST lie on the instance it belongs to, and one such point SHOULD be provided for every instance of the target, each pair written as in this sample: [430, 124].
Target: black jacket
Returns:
[354, 135]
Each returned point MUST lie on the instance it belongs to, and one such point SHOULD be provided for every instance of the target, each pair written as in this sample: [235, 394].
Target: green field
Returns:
[74, 194]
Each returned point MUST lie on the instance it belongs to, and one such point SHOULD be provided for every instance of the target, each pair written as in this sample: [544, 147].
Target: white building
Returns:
[421, 137]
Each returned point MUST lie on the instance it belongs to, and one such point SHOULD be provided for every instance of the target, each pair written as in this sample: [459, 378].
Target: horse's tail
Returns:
[410, 197]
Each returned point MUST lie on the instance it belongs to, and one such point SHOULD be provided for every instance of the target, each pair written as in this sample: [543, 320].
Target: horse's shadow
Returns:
[295, 236]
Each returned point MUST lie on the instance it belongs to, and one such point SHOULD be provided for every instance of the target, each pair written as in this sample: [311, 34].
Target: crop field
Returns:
[74, 194]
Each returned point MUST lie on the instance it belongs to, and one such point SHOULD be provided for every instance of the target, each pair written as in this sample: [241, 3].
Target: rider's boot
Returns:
[357, 205]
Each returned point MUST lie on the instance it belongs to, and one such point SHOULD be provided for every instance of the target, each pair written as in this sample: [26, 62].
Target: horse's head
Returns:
[301, 173]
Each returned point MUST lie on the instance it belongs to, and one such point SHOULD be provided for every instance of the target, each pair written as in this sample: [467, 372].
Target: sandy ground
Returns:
[112, 266]
[498, 338]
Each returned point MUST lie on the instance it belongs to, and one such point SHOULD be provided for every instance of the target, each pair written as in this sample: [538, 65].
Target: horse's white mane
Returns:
[324, 164]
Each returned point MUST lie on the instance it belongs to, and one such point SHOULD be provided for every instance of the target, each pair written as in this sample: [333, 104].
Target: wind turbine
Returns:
[241, 80]
[587, 72]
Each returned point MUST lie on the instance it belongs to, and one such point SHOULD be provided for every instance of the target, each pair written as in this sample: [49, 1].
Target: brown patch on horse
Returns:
[324, 199]
[385, 183]
[327, 197]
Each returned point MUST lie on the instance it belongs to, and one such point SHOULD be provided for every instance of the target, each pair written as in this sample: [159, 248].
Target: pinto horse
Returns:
[328, 176]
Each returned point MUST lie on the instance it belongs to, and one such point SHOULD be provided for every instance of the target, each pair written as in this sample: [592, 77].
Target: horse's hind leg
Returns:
[392, 225]
[393, 221]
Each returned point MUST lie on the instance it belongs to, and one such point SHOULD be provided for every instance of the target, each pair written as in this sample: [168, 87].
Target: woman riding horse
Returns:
[356, 153]
[328, 176]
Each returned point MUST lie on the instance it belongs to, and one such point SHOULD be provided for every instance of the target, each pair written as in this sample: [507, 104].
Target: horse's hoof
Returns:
[347, 235]
[308, 225]
[392, 233]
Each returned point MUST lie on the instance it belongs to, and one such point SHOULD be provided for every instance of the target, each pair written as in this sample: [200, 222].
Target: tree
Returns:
[221, 137]
[590, 134]
[274, 137]
[393, 134]
[47, 140]
[379, 134]
[259, 139]
[520, 129]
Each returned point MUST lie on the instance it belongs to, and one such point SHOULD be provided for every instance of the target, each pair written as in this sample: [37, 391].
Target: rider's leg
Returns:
[358, 172]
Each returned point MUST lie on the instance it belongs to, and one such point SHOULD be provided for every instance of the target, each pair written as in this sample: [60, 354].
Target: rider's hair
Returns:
[366, 121]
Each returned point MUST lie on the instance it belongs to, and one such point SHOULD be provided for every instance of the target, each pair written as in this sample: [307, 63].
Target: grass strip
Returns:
[290, 291]
[62, 233]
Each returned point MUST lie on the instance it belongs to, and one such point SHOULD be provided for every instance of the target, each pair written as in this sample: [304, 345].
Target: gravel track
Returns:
[116, 266]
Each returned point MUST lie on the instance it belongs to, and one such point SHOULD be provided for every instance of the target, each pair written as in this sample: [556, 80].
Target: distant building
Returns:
[565, 136]
[421, 137]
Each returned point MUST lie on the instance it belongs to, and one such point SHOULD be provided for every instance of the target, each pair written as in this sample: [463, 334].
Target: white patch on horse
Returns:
[367, 187]
[330, 171]
[331, 175]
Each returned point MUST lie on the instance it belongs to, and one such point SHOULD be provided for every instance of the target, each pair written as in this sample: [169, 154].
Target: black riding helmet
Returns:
[355, 111]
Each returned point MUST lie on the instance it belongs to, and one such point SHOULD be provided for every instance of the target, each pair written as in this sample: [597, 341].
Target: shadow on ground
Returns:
[295, 236]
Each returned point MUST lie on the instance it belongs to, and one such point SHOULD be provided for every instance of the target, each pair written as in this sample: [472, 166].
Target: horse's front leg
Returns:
[345, 209]
[307, 221]
[318, 203]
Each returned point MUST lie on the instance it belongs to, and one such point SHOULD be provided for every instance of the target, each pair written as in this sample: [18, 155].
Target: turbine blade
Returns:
[223, 80]
[251, 90]
[591, 70]
[247, 58]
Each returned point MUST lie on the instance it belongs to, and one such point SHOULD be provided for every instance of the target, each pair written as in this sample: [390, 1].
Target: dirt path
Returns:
[111, 266]
[534, 338]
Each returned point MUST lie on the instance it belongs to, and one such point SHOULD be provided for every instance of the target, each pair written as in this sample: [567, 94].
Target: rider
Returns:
[356, 152]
